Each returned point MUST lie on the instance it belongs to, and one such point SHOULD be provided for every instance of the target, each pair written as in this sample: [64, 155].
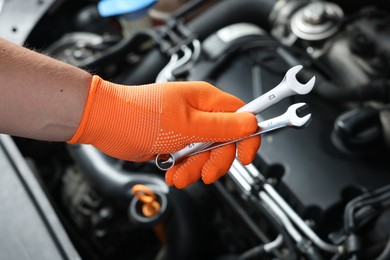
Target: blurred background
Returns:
[321, 192]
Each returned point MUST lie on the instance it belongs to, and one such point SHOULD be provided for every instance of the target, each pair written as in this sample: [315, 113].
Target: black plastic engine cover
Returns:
[314, 175]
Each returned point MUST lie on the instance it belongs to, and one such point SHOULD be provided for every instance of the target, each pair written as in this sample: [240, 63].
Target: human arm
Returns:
[41, 98]
[49, 100]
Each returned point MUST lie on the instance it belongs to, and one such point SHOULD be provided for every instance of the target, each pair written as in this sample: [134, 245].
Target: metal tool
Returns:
[289, 118]
[244, 176]
[287, 87]
[179, 63]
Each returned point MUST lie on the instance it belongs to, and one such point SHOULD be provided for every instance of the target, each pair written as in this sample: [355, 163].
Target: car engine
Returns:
[322, 192]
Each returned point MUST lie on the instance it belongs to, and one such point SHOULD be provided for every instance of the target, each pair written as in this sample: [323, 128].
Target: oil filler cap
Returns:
[358, 132]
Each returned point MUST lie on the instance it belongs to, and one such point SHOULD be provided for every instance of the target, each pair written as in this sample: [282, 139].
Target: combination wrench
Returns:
[287, 87]
[289, 118]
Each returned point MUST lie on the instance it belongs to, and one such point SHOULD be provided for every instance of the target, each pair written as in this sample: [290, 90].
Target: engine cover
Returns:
[314, 176]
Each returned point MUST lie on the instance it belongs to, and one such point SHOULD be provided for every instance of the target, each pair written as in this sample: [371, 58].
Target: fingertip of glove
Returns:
[211, 173]
[247, 149]
[171, 173]
[188, 172]
[246, 159]
[183, 179]
[169, 178]
[247, 123]
[218, 164]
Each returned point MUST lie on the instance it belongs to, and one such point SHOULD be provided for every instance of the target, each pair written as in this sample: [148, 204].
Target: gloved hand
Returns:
[136, 123]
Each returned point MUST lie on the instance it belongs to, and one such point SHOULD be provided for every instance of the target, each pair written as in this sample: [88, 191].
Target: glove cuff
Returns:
[87, 110]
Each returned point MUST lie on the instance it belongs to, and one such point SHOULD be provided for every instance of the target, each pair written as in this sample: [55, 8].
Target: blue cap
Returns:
[121, 7]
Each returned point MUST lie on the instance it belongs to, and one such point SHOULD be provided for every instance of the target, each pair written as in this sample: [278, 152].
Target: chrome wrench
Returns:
[287, 87]
[289, 118]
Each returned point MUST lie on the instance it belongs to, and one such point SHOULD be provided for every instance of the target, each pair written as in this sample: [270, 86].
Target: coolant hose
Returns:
[376, 90]
[147, 70]
[120, 49]
[106, 175]
[229, 12]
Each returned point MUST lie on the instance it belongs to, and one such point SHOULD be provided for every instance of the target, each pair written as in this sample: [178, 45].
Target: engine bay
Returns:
[321, 192]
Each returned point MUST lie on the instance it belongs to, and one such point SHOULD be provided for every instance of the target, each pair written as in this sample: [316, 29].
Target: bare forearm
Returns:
[41, 98]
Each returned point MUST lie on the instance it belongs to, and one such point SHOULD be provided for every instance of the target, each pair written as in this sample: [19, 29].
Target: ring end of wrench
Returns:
[165, 161]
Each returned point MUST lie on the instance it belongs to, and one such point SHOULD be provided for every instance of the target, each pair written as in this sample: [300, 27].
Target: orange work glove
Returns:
[136, 123]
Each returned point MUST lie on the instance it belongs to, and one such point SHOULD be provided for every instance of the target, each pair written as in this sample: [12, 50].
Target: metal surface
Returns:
[235, 31]
[18, 18]
[316, 21]
[274, 244]
[266, 199]
[299, 222]
[1, 5]
[218, 43]
[29, 226]
[245, 176]
[181, 63]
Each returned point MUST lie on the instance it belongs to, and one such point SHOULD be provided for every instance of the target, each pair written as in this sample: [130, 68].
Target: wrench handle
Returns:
[165, 162]
[268, 99]
[265, 126]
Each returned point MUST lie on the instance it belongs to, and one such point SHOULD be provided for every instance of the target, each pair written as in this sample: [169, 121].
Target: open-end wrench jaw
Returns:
[293, 114]
[295, 85]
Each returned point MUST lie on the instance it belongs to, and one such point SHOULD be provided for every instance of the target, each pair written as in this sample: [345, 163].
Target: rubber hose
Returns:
[147, 70]
[119, 50]
[378, 90]
[108, 178]
[229, 12]
[184, 229]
